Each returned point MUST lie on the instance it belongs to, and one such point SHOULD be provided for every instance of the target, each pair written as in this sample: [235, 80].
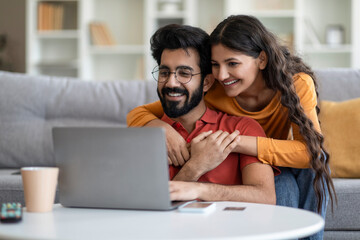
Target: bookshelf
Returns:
[52, 38]
[290, 19]
[68, 47]
[321, 54]
[160, 13]
[282, 17]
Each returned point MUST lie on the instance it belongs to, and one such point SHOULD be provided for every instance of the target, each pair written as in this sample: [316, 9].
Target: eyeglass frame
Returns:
[157, 80]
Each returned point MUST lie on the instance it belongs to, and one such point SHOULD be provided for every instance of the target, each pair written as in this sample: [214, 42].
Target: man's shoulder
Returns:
[231, 123]
[235, 119]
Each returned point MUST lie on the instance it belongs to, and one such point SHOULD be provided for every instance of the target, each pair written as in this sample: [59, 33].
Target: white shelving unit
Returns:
[333, 12]
[54, 52]
[125, 60]
[158, 14]
[70, 52]
[282, 17]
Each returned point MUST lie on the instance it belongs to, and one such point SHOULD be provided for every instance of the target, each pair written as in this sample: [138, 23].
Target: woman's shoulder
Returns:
[303, 80]
[217, 98]
[305, 89]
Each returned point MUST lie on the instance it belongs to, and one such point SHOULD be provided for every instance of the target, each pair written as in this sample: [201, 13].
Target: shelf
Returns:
[324, 48]
[118, 49]
[57, 1]
[132, 23]
[167, 15]
[272, 13]
[58, 63]
[58, 34]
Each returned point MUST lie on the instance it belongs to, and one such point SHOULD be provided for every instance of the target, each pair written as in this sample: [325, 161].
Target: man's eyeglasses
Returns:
[182, 75]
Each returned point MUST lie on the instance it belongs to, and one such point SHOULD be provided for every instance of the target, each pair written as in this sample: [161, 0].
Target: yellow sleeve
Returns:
[293, 153]
[141, 115]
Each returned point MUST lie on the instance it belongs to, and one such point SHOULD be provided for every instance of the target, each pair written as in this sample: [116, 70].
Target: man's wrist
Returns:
[196, 168]
[201, 190]
[190, 172]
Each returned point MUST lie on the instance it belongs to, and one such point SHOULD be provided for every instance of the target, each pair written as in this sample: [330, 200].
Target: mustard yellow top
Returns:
[284, 145]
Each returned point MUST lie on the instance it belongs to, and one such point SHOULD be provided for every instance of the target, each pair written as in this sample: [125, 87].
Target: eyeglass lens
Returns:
[182, 75]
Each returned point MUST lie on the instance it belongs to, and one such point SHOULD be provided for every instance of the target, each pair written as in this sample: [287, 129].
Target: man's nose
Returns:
[172, 82]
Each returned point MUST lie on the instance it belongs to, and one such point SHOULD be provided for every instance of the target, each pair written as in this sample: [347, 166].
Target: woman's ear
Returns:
[263, 60]
[208, 82]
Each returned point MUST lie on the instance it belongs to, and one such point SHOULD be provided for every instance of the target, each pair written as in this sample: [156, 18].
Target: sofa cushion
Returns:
[343, 235]
[31, 106]
[346, 214]
[341, 129]
[11, 187]
[338, 84]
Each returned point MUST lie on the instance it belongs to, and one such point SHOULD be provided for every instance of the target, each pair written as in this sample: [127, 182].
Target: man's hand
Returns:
[258, 187]
[183, 191]
[209, 150]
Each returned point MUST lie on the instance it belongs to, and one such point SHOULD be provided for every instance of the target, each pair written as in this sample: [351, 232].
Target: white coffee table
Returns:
[257, 221]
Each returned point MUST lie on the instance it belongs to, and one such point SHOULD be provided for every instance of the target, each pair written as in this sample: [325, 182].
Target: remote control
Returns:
[11, 212]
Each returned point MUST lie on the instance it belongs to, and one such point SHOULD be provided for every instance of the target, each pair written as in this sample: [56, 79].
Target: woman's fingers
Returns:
[201, 136]
[231, 146]
[177, 150]
[229, 139]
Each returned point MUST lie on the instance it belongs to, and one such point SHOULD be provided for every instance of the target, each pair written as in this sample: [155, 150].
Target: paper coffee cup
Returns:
[39, 187]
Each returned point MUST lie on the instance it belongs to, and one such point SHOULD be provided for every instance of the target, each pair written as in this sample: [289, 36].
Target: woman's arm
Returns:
[148, 115]
[288, 153]
[283, 153]
[178, 152]
[141, 115]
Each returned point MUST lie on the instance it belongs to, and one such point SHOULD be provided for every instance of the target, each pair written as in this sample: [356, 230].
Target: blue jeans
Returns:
[294, 189]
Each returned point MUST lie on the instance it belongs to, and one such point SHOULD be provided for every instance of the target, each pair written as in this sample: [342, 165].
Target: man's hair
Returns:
[174, 36]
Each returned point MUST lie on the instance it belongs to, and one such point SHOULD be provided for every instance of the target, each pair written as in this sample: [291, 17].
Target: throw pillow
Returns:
[340, 124]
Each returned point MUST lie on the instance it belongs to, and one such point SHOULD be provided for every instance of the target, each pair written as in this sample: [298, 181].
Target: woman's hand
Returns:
[209, 150]
[178, 152]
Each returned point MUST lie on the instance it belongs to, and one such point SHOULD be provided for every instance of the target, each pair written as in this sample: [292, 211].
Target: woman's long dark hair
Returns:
[246, 34]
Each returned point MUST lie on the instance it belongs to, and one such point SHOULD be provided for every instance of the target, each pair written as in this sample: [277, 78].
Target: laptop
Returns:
[112, 167]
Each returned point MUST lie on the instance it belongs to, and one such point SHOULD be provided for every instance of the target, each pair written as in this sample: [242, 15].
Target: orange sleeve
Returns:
[283, 153]
[292, 153]
[141, 115]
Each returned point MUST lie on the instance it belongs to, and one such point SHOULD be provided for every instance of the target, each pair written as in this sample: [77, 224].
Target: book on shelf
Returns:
[101, 34]
[50, 16]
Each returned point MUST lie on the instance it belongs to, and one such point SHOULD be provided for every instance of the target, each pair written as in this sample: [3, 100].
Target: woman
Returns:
[259, 78]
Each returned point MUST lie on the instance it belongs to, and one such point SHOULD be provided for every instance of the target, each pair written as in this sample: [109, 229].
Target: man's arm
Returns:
[258, 186]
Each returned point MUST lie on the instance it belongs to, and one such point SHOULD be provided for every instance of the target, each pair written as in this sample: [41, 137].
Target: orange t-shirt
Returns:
[284, 146]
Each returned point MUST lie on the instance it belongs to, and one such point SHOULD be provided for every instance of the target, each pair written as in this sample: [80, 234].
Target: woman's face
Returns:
[237, 72]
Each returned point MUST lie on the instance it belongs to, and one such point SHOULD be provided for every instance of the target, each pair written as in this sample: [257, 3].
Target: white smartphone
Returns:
[197, 207]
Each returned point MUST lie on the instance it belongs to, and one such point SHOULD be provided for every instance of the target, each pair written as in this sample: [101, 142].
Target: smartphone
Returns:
[197, 207]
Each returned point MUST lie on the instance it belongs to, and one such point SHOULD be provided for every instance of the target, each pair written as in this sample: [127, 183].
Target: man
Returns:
[212, 173]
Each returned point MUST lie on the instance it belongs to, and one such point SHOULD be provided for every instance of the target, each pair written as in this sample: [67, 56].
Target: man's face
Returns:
[178, 99]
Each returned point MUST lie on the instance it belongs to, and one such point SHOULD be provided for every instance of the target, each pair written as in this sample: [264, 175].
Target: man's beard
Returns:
[172, 109]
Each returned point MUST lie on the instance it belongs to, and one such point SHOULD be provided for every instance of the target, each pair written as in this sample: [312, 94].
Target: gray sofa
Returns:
[31, 106]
